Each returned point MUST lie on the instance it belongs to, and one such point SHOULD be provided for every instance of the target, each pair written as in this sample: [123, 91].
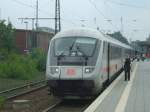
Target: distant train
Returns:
[81, 61]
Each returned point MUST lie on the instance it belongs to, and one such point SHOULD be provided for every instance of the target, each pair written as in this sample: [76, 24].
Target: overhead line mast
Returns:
[57, 17]
[37, 15]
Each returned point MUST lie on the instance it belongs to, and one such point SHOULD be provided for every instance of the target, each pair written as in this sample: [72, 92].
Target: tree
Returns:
[119, 36]
[7, 37]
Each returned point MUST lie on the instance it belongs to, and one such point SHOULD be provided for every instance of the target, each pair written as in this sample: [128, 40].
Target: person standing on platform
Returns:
[127, 68]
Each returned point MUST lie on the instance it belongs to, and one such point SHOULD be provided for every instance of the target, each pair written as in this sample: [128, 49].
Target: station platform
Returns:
[126, 96]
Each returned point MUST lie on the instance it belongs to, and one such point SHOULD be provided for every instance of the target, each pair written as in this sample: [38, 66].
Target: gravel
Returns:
[39, 100]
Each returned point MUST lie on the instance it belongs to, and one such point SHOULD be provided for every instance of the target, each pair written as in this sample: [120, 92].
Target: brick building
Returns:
[28, 39]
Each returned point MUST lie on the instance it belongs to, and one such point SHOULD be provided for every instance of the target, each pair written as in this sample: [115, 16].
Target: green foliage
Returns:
[39, 57]
[7, 38]
[119, 36]
[18, 67]
[25, 67]
[2, 101]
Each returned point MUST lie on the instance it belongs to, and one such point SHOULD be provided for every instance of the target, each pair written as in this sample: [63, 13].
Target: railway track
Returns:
[35, 92]
[36, 95]
[22, 90]
[69, 106]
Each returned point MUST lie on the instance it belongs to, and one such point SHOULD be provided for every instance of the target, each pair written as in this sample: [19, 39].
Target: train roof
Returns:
[87, 32]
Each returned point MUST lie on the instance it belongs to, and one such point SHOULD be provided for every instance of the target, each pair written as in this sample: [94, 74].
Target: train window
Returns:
[115, 52]
[75, 46]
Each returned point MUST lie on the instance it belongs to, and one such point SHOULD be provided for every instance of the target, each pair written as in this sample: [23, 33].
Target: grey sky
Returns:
[135, 14]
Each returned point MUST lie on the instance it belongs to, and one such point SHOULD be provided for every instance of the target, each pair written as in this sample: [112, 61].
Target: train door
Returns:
[105, 63]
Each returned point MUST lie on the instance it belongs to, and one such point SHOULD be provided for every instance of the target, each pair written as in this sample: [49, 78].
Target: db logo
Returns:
[71, 72]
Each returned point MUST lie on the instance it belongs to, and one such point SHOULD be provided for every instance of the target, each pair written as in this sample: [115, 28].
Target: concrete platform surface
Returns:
[122, 96]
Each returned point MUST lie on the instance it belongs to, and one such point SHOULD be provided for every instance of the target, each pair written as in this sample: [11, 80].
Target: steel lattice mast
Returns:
[57, 17]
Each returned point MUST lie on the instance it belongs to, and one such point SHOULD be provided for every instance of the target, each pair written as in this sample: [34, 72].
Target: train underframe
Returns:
[64, 88]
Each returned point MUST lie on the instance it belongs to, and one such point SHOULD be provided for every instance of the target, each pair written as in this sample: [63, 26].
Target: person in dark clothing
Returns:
[127, 68]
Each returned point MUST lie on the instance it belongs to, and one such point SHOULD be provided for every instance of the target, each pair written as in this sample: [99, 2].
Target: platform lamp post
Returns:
[26, 23]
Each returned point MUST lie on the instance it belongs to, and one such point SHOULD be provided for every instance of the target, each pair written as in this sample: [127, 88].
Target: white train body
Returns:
[80, 61]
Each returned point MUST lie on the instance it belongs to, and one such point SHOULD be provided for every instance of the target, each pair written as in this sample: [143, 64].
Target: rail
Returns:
[27, 88]
[52, 106]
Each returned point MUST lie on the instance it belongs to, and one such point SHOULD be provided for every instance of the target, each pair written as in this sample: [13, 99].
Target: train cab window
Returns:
[75, 46]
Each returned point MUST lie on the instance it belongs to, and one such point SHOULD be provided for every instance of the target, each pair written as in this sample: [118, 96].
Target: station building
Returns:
[26, 40]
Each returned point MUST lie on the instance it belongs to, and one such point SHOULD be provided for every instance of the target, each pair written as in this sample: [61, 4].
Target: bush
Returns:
[3, 54]
[2, 101]
[18, 67]
[23, 67]
[40, 58]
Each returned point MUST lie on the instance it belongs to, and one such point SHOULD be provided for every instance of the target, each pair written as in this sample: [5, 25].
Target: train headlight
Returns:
[54, 70]
[89, 70]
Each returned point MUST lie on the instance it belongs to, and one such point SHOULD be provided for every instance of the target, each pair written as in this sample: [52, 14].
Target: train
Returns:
[81, 61]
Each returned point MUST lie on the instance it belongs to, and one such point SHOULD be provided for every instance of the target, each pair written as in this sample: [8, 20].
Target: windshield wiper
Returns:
[61, 54]
[71, 47]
